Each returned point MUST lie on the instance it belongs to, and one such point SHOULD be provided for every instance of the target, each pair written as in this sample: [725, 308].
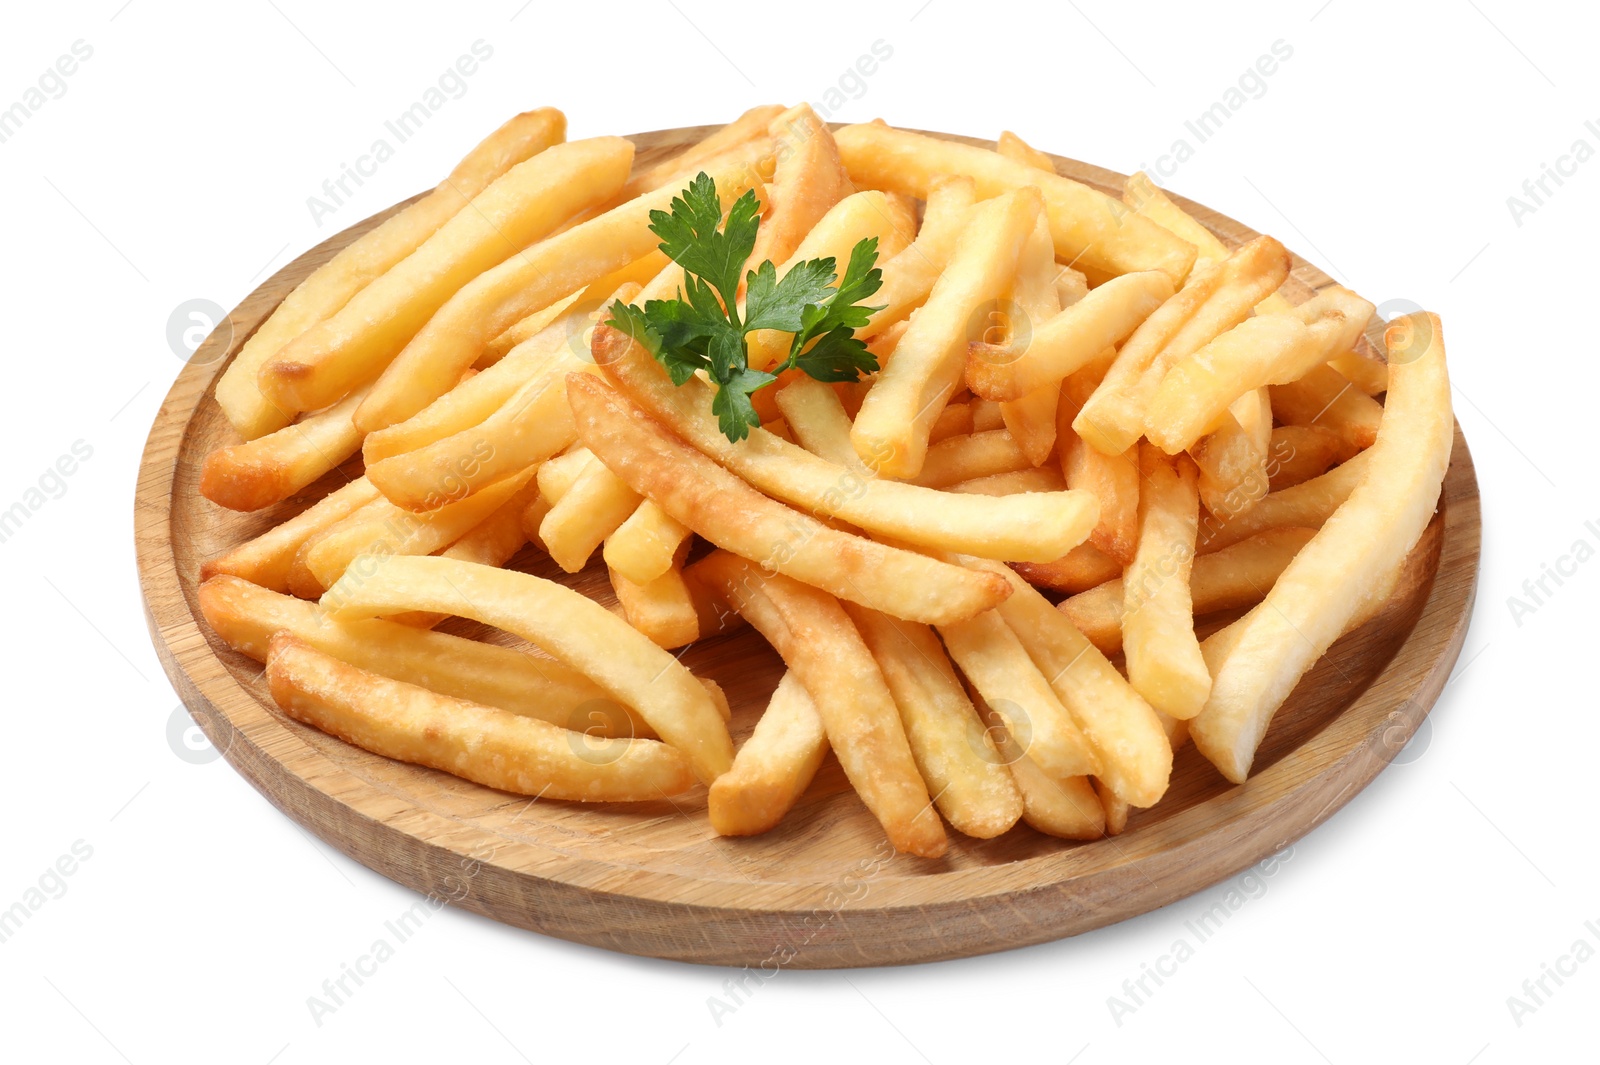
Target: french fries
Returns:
[522, 755]
[557, 347]
[554, 618]
[1237, 576]
[821, 646]
[1351, 562]
[1091, 230]
[774, 767]
[1164, 662]
[331, 285]
[353, 346]
[731, 514]
[891, 431]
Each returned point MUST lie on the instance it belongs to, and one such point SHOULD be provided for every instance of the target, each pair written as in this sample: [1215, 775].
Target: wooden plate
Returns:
[821, 890]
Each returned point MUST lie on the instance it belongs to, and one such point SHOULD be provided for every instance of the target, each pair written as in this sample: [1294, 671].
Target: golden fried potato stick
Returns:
[643, 547]
[497, 298]
[570, 627]
[331, 285]
[986, 415]
[1068, 341]
[1237, 576]
[1213, 302]
[271, 468]
[267, 559]
[954, 420]
[557, 475]
[819, 422]
[482, 744]
[955, 755]
[891, 431]
[390, 530]
[1015, 148]
[578, 522]
[774, 767]
[821, 646]
[1232, 459]
[1162, 651]
[1122, 729]
[1034, 527]
[1301, 452]
[733, 515]
[1266, 350]
[1030, 417]
[1306, 505]
[1092, 231]
[908, 277]
[747, 128]
[664, 609]
[1064, 808]
[1116, 810]
[961, 458]
[245, 617]
[997, 665]
[1349, 565]
[808, 180]
[1326, 398]
[1082, 568]
[353, 347]
[1113, 480]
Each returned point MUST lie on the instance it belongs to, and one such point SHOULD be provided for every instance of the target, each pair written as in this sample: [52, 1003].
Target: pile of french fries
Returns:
[982, 565]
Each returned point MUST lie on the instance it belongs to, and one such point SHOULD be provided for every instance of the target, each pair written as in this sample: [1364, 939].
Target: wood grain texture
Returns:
[821, 890]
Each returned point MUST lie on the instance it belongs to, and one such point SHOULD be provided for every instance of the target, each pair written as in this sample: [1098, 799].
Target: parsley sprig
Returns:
[702, 328]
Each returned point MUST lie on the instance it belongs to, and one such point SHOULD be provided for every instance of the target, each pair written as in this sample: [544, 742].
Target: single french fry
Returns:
[961, 458]
[1068, 341]
[1015, 148]
[1232, 459]
[1235, 577]
[891, 431]
[572, 628]
[353, 347]
[1036, 479]
[390, 530]
[1035, 527]
[1326, 398]
[1091, 230]
[954, 753]
[664, 609]
[1082, 568]
[818, 642]
[1306, 505]
[1116, 809]
[986, 415]
[1351, 563]
[246, 617]
[1369, 375]
[819, 422]
[954, 420]
[774, 767]
[747, 128]
[557, 475]
[271, 468]
[1122, 729]
[1063, 808]
[1214, 301]
[643, 547]
[1147, 199]
[909, 276]
[1300, 452]
[497, 298]
[331, 285]
[482, 744]
[1030, 416]
[995, 662]
[1162, 651]
[1113, 480]
[730, 513]
[580, 520]
[808, 180]
[1269, 349]
[267, 559]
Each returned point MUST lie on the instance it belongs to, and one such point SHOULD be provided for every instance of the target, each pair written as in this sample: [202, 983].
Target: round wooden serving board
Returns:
[822, 890]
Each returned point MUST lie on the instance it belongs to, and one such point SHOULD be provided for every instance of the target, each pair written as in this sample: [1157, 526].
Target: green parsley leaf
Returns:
[701, 332]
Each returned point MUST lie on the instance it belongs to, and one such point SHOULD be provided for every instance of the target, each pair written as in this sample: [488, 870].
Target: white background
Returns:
[176, 165]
